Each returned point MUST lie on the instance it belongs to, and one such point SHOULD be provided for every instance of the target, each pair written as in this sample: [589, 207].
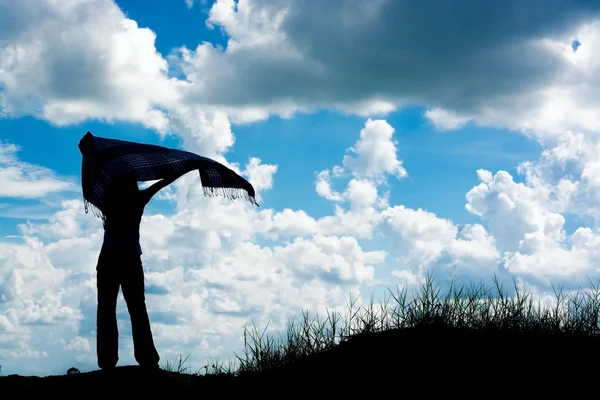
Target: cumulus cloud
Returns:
[66, 62]
[32, 301]
[425, 242]
[331, 258]
[323, 186]
[445, 120]
[528, 218]
[261, 175]
[375, 152]
[283, 57]
[308, 56]
[372, 159]
[421, 240]
[567, 100]
[25, 180]
[202, 131]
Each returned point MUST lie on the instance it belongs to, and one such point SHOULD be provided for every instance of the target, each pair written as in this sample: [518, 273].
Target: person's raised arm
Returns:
[156, 187]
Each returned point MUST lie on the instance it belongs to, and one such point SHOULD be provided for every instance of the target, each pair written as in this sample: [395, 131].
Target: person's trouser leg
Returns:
[107, 334]
[132, 284]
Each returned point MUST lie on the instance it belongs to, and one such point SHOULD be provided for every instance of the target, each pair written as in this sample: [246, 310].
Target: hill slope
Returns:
[412, 362]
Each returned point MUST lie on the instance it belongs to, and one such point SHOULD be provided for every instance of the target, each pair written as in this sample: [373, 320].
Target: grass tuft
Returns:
[469, 306]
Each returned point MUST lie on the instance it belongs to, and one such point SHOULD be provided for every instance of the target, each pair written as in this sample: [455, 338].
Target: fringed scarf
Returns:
[106, 160]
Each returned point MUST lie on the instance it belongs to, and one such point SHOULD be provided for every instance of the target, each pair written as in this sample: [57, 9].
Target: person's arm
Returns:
[156, 187]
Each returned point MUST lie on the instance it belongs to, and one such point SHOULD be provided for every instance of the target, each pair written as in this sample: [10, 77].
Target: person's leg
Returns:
[107, 334]
[132, 284]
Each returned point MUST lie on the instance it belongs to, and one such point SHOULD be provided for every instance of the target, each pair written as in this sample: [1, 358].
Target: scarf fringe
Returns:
[228, 193]
[95, 210]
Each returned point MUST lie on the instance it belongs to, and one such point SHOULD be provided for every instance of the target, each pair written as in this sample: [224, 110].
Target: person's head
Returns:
[122, 200]
[126, 186]
[122, 191]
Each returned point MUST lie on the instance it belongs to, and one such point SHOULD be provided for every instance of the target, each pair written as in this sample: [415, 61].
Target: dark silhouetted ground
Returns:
[418, 362]
[466, 342]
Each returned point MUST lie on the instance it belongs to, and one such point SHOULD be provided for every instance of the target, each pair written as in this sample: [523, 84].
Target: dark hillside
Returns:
[468, 343]
[428, 359]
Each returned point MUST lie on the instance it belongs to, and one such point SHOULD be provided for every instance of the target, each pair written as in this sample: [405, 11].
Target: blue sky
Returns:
[466, 157]
[438, 162]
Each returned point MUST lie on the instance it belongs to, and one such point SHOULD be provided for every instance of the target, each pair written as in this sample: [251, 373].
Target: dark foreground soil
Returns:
[425, 362]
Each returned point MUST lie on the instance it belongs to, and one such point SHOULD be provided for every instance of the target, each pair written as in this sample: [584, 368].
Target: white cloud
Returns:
[423, 236]
[300, 55]
[65, 62]
[375, 152]
[260, 175]
[444, 119]
[568, 100]
[323, 187]
[528, 219]
[282, 57]
[24, 180]
[375, 157]
[205, 132]
[426, 243]
[369, 108]
[512, 210]
[330, 258]
[560, 182]
[78, 344]
[362, 194]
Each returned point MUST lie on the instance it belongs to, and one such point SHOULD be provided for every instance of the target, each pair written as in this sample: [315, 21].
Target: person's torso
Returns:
[122, 226]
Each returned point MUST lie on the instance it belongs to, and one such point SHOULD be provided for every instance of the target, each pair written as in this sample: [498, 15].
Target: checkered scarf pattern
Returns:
[105, 160]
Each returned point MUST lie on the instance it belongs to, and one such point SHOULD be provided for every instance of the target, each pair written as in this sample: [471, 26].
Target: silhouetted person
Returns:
[120, 265]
